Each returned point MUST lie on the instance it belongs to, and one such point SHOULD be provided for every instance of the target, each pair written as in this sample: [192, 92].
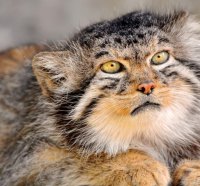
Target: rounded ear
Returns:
[50, 69]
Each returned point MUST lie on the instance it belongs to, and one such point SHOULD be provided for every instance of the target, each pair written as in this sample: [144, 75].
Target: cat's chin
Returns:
[145, 107]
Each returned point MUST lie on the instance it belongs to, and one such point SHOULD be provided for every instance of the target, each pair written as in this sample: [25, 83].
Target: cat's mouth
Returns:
[144, 107]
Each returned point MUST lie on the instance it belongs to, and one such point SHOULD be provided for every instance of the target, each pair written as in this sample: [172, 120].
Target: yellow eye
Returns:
[160, 58]
[111, 67]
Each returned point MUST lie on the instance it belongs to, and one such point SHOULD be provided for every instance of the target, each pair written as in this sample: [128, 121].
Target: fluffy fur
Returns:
[65, 122]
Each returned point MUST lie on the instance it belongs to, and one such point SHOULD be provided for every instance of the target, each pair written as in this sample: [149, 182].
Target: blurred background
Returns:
[26, 21]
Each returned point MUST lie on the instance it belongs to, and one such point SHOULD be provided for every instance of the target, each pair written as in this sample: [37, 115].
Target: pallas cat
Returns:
[115, 105]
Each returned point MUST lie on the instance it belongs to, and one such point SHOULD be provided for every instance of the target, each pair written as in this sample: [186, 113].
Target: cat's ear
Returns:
[175, 20]
[55, 72]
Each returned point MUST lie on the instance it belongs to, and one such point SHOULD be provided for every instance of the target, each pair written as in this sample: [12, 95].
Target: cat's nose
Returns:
[146, 87]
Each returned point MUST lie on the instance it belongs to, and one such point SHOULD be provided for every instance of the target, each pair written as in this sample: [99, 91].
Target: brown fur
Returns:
[65, 122]
[11, 60]
[123, 170]
[94, 170]
[187, 173]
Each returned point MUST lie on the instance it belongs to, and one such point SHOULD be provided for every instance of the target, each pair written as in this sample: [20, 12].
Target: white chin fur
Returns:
[150, 129]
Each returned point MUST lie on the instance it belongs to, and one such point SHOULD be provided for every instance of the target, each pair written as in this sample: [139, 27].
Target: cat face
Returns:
[124, 82]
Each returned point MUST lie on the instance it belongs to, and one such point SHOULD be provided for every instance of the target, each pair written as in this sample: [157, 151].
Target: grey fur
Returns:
[72, 87]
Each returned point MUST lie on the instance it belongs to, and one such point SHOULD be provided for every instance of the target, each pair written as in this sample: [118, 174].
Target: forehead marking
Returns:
[163, 40]
[100, 54]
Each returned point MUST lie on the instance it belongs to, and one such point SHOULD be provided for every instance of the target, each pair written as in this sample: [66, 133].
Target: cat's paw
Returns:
[187, 174]
[145, 173]
[150, 173]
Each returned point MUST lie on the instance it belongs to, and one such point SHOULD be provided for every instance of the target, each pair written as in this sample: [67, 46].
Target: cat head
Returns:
[128, 80]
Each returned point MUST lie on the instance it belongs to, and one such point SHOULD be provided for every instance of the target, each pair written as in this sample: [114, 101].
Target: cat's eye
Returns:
[112, 67]
[160, 58]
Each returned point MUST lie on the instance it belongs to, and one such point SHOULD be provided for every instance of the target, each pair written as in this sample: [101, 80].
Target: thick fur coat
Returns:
[64, 121]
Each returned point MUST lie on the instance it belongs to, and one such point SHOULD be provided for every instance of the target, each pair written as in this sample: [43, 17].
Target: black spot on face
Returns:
[140, 36]
[100, 54]
[135, 41]
[163, 40]
[122, 33]
[98, 35]
[103, 45]
[86, 42]
[118, 40]
[129, 41]
[148, 24]
[130, 32]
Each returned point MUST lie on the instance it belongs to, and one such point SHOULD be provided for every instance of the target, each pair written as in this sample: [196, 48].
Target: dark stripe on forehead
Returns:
[100, 54]
[163, 40]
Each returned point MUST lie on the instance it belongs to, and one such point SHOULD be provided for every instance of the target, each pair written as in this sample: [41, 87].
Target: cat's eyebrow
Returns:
[100, 54]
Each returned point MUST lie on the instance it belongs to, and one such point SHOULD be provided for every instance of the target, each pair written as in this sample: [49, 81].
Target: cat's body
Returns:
[68, 122]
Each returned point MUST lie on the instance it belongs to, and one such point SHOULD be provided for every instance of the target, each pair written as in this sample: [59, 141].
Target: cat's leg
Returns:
[129, 169]
[135, 168]
[187, 173]
[51, 165]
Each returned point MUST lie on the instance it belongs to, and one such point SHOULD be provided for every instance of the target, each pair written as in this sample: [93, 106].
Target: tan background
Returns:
[24, 21]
